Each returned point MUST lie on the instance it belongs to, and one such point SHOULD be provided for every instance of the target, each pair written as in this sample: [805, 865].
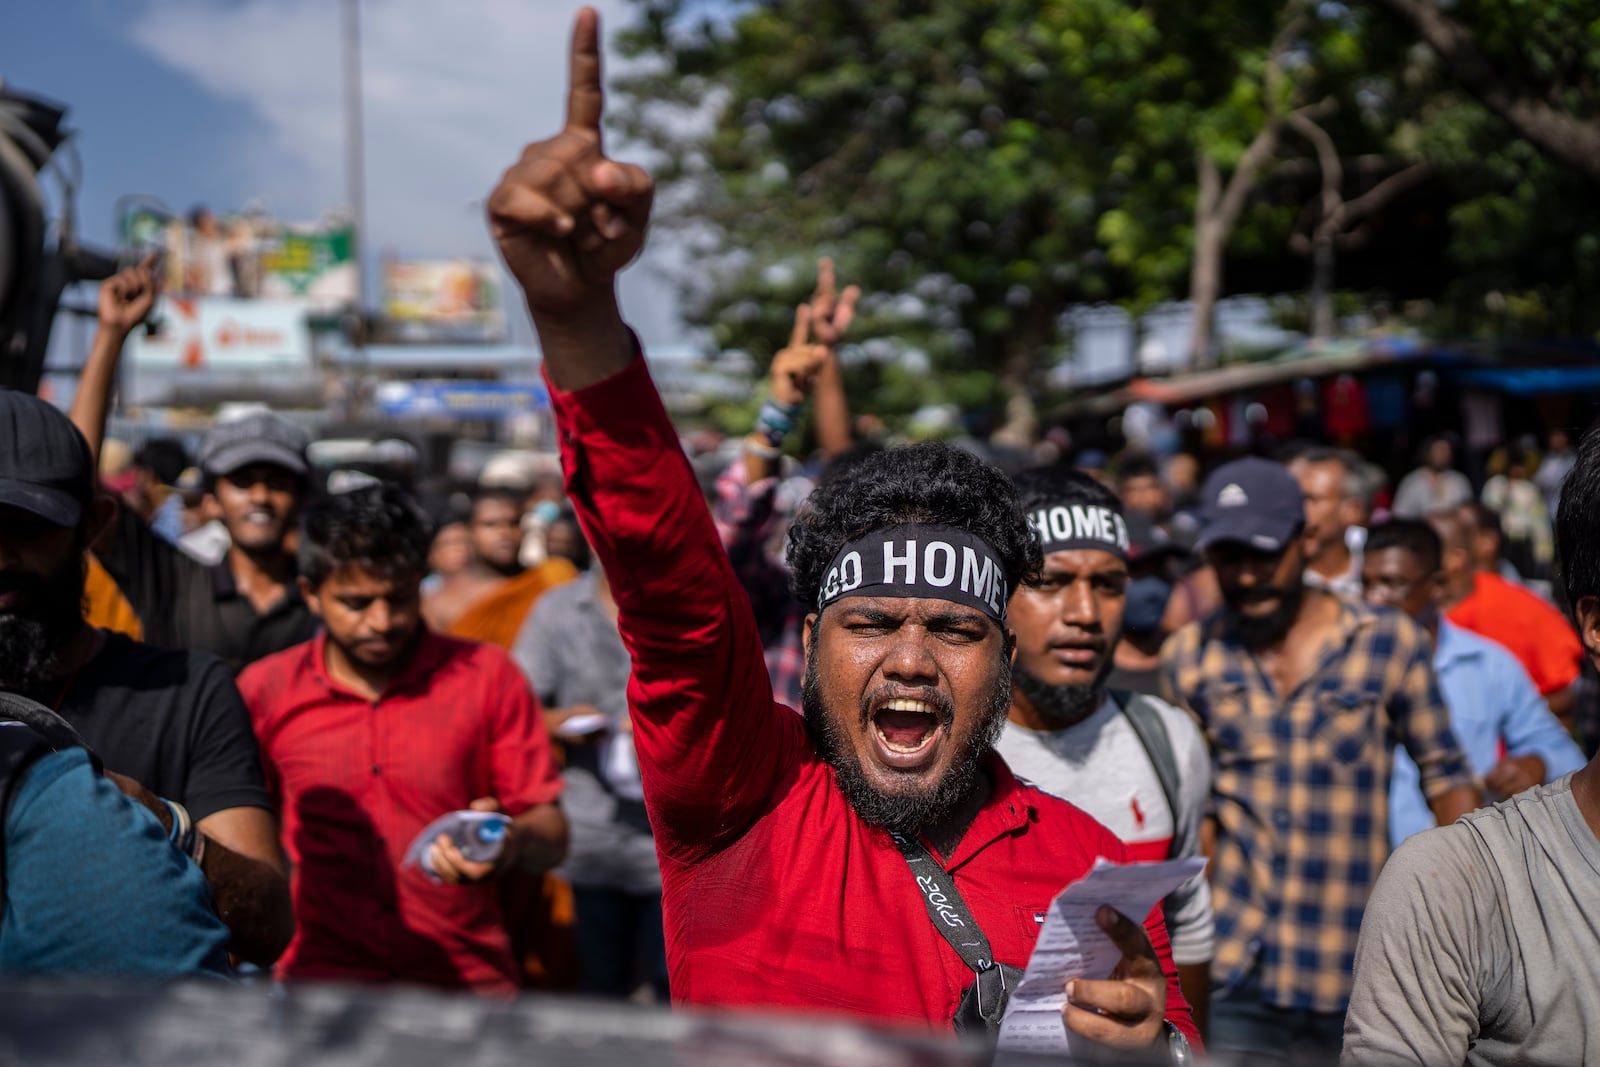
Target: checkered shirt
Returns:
[1300, 791]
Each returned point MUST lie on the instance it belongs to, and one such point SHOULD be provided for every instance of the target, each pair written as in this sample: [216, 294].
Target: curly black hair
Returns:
[1063, 485]
[930, 483]
[380, 528]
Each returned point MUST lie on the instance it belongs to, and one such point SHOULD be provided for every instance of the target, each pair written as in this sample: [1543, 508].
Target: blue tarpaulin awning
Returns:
[1530, 381]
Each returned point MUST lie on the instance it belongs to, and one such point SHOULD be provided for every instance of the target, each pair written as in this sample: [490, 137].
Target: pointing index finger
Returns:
[585, 95]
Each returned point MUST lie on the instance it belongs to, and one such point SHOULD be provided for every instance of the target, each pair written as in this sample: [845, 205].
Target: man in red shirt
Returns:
[374, 729]
[787, 842]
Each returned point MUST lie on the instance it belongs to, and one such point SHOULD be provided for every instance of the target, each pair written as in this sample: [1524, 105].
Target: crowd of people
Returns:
[639, 734]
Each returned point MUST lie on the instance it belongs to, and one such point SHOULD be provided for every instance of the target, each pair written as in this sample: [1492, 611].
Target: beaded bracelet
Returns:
[776, 421]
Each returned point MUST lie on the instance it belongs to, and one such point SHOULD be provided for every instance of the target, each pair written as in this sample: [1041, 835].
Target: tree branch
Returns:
[1380, 194]
[1561, 135]
[1332, 171]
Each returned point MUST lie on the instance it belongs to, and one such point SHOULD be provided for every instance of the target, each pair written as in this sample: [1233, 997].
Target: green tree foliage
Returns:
[978, 167]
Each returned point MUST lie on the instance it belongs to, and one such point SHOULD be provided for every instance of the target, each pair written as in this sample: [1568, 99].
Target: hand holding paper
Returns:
[1093, 937]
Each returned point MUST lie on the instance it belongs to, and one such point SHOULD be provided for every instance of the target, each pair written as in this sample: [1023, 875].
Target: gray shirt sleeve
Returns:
[533, 650]
[1428, 946]
[1190, 922]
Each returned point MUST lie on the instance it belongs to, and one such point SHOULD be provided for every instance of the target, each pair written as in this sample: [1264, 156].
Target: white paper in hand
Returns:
[582, 725]
[480, 835]
[1072, 945]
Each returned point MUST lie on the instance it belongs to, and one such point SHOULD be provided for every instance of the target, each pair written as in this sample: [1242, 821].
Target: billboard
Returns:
[250, 256]
[224, 335]
[443, 299]
[460, 399]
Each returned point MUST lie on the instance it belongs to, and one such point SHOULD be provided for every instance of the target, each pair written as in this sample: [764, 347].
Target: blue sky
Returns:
[224, 101]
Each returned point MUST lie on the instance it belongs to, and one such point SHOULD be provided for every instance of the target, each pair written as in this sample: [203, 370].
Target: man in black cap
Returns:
[1302, 696]
[247, 606]
[170, 723]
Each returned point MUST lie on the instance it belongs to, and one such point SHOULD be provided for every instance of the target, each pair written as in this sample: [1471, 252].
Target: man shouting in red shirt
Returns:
[796, 853]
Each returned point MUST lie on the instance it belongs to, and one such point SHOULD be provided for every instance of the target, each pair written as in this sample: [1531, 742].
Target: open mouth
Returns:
[907, 732]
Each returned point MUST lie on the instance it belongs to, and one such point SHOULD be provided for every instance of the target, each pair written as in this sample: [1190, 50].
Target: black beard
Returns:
[1257, 632]
[1064, 705]
[905, 813]
[30, 645]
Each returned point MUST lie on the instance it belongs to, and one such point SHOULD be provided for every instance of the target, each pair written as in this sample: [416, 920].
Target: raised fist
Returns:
[127, 296]
[566, 218]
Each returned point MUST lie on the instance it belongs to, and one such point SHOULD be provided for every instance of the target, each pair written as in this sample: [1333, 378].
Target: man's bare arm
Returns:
[245, 869]
[832, 313]
[124, 302]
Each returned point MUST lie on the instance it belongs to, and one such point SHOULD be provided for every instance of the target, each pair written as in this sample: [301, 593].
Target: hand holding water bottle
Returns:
[463, 847]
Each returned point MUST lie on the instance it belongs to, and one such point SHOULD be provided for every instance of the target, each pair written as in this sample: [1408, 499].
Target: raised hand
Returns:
[1128, 1009]
[127, 297]
[795, 367]
[831, 311]
[566, 218]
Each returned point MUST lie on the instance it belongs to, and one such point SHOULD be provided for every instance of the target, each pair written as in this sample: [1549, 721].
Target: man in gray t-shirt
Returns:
[1481, 942]
[1115, 756]
[575, 661]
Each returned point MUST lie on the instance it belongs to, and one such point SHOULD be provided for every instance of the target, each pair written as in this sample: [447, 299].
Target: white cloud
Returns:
[451, 93]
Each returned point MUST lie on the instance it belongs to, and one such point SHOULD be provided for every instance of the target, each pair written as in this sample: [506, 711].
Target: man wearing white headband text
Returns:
[810, 863]
[1137, 764]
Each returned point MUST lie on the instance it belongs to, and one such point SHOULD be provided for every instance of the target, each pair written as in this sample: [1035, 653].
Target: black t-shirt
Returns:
[172, 721]
[182, 603]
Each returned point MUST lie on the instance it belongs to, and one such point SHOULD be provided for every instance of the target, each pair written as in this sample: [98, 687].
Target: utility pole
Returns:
[355, 193]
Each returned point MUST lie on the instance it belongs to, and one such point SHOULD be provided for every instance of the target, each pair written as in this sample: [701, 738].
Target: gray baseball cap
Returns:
[259, 437]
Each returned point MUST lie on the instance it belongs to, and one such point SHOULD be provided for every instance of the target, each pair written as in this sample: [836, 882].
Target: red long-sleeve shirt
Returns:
[776, 894]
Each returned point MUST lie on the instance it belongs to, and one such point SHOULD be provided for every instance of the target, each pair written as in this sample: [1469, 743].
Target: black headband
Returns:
[1065, 527]
[918, 560]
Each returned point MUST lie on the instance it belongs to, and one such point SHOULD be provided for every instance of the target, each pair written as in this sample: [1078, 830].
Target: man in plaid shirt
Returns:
[1302, 696]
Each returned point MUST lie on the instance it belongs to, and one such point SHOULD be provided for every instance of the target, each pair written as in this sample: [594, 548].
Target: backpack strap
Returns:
[1152, 734]
[28, 732]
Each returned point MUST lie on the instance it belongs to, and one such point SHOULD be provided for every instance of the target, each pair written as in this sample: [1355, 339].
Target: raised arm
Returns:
[711, 743]
[125, 301]
[831, 315]
[567, 219]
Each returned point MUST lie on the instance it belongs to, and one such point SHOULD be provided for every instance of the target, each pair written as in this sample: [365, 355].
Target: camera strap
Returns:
[952, 918]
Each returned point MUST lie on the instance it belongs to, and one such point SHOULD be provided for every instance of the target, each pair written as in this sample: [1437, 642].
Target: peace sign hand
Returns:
[795, 367]
[831, 311]
[566, 218]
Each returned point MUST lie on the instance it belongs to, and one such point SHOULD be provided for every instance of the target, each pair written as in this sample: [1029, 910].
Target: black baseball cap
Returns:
[258, 437]
[1253, 502]
[45, 467]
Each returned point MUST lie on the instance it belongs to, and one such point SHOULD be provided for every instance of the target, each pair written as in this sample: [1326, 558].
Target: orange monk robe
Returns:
[104, 606]
[497, 617]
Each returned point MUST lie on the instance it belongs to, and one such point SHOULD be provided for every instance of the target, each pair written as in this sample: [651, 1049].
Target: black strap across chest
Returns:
[953, 919]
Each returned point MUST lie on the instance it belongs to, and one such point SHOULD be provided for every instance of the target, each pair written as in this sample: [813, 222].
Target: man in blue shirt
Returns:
[91, 885]
[1510, 737]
